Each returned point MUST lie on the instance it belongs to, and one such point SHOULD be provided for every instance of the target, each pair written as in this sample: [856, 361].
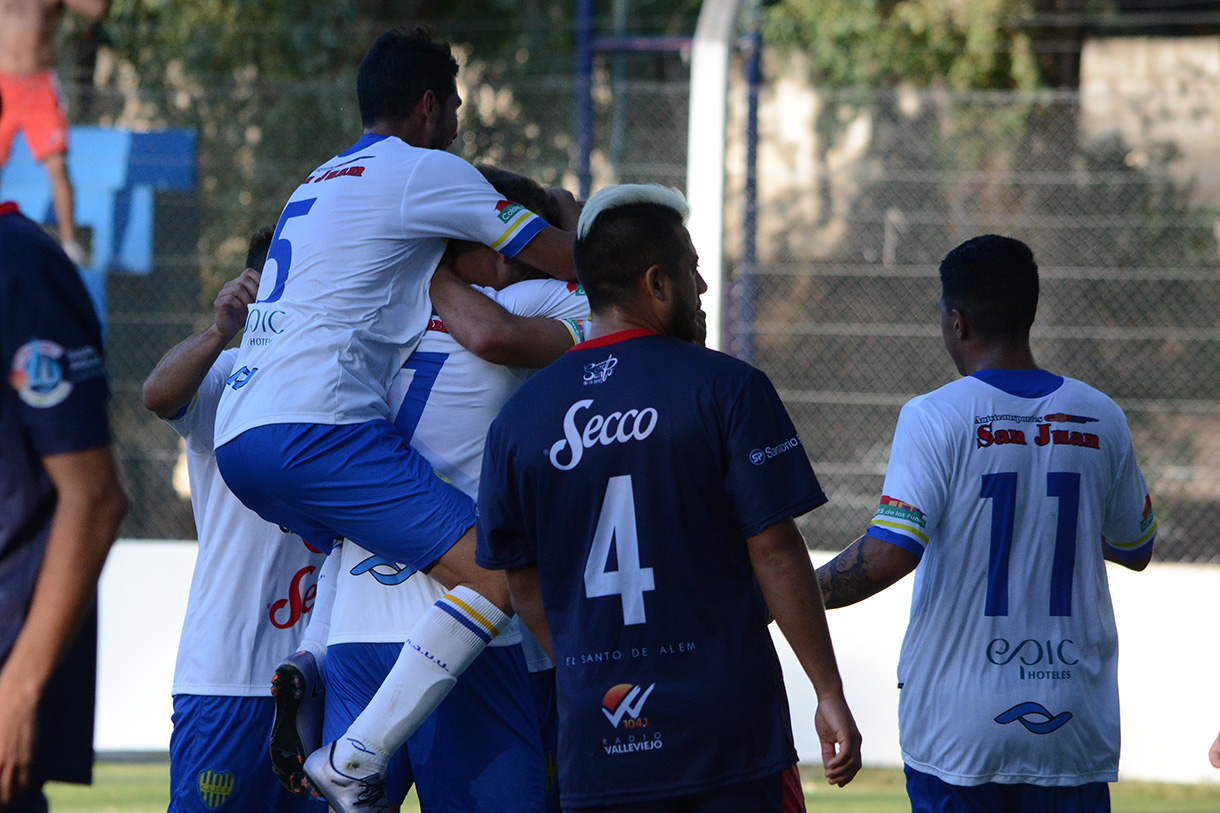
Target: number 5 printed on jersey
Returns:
[281, 249]
[616, 525]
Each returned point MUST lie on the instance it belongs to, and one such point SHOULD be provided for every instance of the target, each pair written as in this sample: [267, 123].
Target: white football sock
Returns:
[317, 631]
[440, 646]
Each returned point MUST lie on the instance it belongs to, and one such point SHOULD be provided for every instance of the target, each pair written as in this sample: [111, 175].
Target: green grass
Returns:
[130, 787]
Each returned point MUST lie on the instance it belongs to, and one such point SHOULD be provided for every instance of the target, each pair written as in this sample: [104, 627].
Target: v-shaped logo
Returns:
[625, 700]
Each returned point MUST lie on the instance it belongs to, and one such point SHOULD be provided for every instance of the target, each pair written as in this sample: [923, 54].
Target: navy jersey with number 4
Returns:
[632, 471]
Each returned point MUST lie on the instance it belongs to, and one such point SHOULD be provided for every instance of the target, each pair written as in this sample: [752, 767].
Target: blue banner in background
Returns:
[115, 174]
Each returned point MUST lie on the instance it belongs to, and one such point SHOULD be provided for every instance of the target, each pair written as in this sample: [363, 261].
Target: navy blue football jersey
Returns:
[632, 471]
[53, 401]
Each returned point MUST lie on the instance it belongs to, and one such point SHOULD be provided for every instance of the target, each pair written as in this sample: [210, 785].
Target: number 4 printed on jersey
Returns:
[616, 526]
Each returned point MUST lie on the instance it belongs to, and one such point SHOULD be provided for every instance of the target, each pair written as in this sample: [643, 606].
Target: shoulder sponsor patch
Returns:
[507, 210]
[897, 509]
[40, 374]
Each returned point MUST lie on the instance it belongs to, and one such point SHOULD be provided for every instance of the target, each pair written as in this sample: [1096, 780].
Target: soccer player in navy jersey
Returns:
[640, 492]
[1007, 490]
[60, 508]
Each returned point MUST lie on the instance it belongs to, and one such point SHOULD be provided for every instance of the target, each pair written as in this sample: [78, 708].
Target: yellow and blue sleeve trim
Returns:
[182, 413]
[899, 535]
[520, 231]
[1133, 551]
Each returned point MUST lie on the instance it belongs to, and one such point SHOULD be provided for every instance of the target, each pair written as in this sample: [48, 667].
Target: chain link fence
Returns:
[860, 195]
[840, 310]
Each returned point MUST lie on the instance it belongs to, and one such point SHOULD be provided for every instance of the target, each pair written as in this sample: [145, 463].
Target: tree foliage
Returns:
[960, 44]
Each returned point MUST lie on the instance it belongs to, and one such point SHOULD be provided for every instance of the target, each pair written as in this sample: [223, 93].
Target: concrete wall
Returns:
[1167, 673]
[1157, 95]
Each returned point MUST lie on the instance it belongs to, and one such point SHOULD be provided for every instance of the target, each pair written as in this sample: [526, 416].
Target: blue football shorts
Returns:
[479, 751]
[930, 794]
[218, 758]
[360, 481]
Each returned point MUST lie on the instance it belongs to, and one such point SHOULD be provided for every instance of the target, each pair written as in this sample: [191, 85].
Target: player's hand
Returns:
[1214, 753]
[840, 740]
[569, 207]
[18, 727]
[234, 301]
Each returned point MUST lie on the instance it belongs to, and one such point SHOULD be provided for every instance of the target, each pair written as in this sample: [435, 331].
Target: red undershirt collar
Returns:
[614, 338]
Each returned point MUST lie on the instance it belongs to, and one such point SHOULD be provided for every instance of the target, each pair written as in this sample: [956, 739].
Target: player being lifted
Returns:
[1007, 491]
[303, 435]
[483, 747]
[648, 541]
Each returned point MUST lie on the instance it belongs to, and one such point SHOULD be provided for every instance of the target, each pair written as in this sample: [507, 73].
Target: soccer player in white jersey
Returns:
[303, 435]
[1006, 492]
[251, 592]
[482, 749]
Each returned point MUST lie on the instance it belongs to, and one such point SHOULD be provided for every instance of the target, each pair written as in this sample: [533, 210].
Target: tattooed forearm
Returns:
[845, 579]
[867, 567]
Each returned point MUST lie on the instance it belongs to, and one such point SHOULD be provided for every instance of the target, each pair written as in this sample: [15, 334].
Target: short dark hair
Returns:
[399, 67]
[260, 242]
[520, 189]
[621, 245]
[993, 282]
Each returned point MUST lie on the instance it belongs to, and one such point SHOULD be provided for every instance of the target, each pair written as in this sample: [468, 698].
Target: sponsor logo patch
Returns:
[624, 704]
[508, 210]
[1035, 717]
[40, 374]
[599, 371]
[898, 509]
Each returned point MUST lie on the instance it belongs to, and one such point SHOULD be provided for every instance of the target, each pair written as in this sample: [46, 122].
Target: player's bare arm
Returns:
[551, 252]
[525, 590]
[487, 329]
[177, 376]
[87, 514]
[864, 569]
[781, 565]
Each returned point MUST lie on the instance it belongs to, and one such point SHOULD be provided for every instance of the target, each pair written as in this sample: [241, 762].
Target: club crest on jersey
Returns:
[617, 427]
[215, 788]
[599, 371]
[40, 374]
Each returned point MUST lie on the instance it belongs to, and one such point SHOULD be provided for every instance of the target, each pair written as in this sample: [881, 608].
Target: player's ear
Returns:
[960, 325]
[656, 283]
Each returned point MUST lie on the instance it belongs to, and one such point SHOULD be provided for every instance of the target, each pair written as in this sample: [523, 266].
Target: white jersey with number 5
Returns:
[344, 294]
[1009, 485]
[443, 400]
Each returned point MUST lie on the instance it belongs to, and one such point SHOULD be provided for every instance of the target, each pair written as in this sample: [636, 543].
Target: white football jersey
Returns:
[253, 584]
[1009, 484]
[443, 400]
[344, 294]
